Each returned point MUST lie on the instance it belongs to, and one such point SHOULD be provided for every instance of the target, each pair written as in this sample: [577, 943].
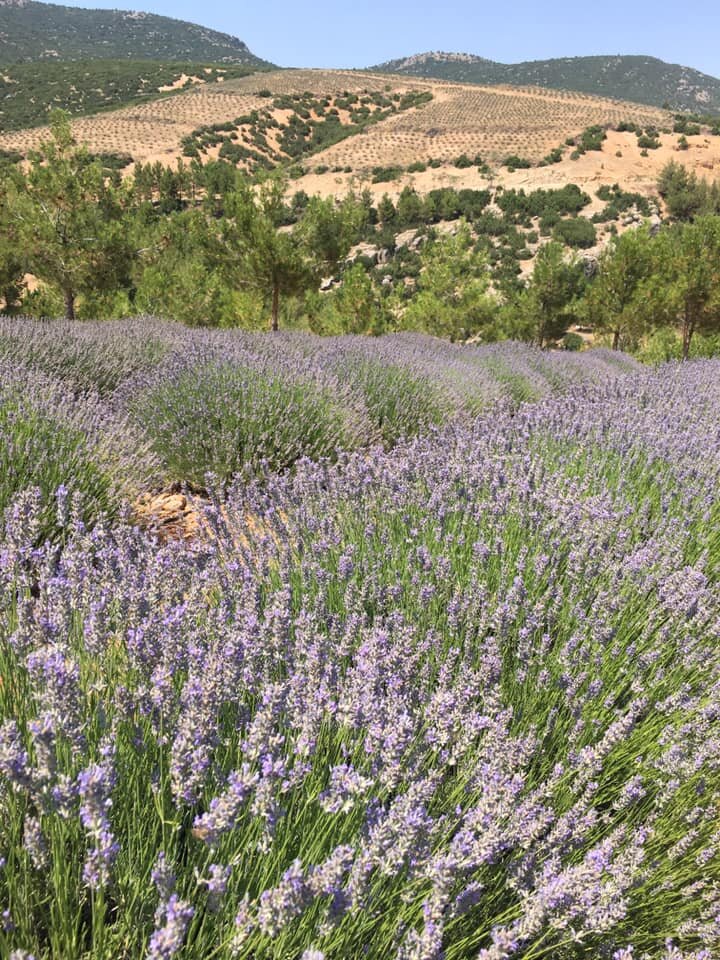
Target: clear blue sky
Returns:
[358, 33]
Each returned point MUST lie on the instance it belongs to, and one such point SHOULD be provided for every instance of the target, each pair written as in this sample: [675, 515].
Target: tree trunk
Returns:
[274, 324]
[616, 340]
[69, 305]
[687, 332]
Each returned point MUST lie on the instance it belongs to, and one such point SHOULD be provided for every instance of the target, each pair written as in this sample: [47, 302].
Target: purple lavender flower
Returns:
[167, 940]
[14, 759]
[94, 786]
[217, 885]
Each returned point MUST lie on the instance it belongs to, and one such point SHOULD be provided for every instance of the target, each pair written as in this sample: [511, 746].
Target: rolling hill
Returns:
[31, 31]
[637, 78]
[28, 91]
[350, 120]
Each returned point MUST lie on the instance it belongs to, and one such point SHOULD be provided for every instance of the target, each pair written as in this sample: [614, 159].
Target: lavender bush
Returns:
[224, 416]
[50, 441]
[458, 699]
[90, 357]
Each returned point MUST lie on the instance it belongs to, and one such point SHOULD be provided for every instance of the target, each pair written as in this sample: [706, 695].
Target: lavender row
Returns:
[228, 402]
[454, 700]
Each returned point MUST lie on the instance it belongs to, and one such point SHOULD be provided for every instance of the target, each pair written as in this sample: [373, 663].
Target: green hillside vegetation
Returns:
[45, 31]
[29, 90]
[208, 245]
[639, 79]
[310, 124]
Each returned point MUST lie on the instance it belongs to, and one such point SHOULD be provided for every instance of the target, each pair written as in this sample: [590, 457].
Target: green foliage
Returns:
[618, 202]
[251, 249]
[29, 91]
[463, 162]
[180, 279]
[410, 208]
[42, 31]
[612, 301]
[591, 138]
[517, 206]
[545, 308]
[452, 298]
[648, 141]
[555, 156]
[12, 282]
[576, 232]
[572, 342]
[329, 228]
[385, 174]
[685, 195]
[683, 124]
[68, 219]
[514, 162]
[355, 306]
[683, 288]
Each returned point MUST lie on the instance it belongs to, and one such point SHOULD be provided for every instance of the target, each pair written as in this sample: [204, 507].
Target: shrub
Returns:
[233, 418]
[572, 342]
[88, 358]
[575, 232]
[514, 162]
[399, 403]
[591, 138]
[385, 174]
[51, 441]
[463, 162]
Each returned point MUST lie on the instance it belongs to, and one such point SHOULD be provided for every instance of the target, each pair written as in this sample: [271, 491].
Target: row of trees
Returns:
[83, 233]
[242, 251]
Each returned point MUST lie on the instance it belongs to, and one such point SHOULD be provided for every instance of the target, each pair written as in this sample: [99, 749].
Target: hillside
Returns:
[31, 31]
[29, 90]
[637, 78]
[256, 121]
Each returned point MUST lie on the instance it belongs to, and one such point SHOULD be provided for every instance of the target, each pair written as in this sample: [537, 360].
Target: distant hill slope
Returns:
[28, 91]
[387, 120]
[639, 79]
[32, 31]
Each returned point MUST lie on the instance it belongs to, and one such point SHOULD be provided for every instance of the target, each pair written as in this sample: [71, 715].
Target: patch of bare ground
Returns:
[620, 161]
[175, 515]
[494, 122]
[461, 118]
[169, 515]
[154, 130]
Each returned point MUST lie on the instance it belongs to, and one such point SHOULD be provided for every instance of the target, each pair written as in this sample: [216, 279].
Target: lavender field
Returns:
[439, 677]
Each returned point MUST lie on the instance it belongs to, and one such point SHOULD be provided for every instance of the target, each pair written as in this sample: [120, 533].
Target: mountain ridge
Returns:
[31, 30]
[638, 78]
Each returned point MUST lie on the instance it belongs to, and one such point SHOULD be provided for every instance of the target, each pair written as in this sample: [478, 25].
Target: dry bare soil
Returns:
[461, 118]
